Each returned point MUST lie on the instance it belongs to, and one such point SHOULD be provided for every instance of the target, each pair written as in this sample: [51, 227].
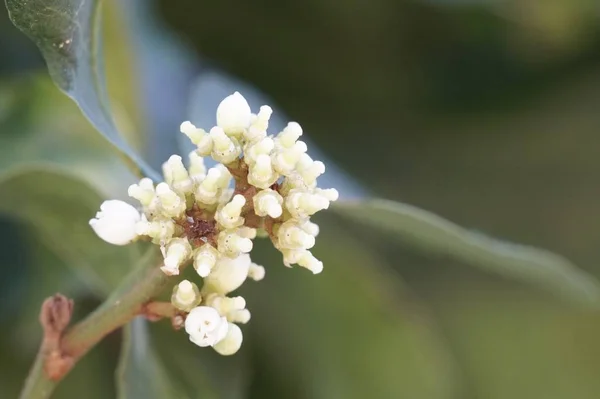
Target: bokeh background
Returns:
[485, 112]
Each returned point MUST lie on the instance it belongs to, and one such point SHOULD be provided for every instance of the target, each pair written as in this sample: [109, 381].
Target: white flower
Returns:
[234, 114]
[116, 221]
[205, 326]
[228, 274]
[232, 341]
[231, 244]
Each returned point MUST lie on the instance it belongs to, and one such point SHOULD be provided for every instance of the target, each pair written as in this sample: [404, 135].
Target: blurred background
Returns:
[486, 112]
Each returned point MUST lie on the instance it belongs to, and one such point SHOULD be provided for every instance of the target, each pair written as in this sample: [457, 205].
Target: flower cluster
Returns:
[262, 184]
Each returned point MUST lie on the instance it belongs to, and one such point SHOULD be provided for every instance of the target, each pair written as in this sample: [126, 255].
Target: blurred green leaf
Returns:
[351, 332]
[514, 344]
[58, 207]
[140, 373]
[435, 235]
[68, 34]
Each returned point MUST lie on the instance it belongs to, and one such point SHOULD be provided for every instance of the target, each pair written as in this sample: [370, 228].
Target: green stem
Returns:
[126, 302]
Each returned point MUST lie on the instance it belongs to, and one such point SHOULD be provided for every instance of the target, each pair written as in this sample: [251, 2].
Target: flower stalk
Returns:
[129, 300]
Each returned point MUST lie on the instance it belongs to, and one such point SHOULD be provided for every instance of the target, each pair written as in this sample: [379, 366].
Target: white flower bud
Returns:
[312, 172]
[285, 161]
[234, 114]
[115, 222]
[308, 261]
[176, 175]
[289, 135]
[268, 203]
[205, 259]
[161, 230]
[331, 194]
[194, 134]
[230, 215]
[232, 244]
[225, 305]
[291, 236]
[303, 258]
[261, 173]
[225, 149]
[208, 190]
[177, 251]
[197, 169]
[259, 125]
[241, 316]
[302, 204]
[256, 272]
[247, 232]
[225, 177]
[310, 227]
[197, 136]
[232, 341]
[171, 204]
[261, 147]
[234, 309]
[228, 274]
[205, 326]
[143, 191]
[186, 296]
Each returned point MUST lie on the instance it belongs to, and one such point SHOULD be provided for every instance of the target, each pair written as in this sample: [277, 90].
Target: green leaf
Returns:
[435, 235]
[140, 373]
[514, 344]
[351, 332]
[58, 207]
[68, 34]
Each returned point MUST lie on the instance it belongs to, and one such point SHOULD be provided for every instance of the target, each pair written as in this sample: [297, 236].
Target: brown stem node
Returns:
[55, 316]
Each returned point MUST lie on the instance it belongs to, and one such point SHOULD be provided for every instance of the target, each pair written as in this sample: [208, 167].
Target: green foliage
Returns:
[140, 374]
[57, 208]
[435, 235]
[68, 34]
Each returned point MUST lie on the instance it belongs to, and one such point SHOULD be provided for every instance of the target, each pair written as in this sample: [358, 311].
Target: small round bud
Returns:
[256, 272]
[232, 341]
[228, 274]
